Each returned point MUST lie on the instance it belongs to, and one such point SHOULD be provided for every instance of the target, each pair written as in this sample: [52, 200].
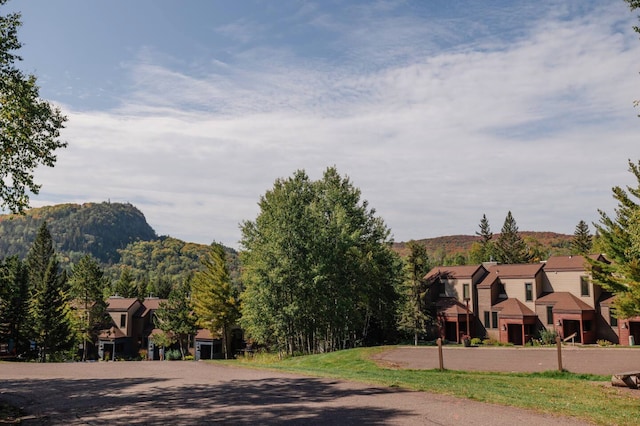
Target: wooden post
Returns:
[559, 345]
[440, 358]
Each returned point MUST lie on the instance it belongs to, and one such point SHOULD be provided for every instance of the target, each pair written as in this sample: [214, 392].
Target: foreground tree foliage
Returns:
[619, 238]
[29, 126]
[319, 273]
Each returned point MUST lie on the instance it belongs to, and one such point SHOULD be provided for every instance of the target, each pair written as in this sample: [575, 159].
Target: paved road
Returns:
[576, 359]
[191, 393]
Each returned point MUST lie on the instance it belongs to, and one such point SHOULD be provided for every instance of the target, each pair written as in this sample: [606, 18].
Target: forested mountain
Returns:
[100, 229]
[117, 235]
[447, 249]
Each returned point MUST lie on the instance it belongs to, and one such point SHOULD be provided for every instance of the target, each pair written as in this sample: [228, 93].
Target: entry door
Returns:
[569, 327]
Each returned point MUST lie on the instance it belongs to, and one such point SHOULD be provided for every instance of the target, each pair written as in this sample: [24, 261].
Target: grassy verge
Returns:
[577, 395]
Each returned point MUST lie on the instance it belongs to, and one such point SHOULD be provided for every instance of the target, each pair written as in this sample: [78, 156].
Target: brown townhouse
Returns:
[512, 303]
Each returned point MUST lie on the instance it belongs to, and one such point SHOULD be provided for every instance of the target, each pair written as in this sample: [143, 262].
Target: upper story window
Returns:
[502, 292]
[123, 320]
[550, 314]
[584, 286]
[528, 292]
[442, 288]
[465, 292]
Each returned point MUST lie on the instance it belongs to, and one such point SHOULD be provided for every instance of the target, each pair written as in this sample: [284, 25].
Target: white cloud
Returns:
[541, 126]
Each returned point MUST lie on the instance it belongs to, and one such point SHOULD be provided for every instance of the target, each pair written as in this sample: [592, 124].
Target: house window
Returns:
[442, 288]
[550, 315]
[487, 319]
[528, 291]
[494, 319]
[584, 286]
[502, 292]
[465, 292]
[586, 325]
[123, 320]
[613, 320]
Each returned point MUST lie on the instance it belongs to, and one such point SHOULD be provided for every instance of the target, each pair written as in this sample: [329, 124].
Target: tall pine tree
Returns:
[414, 315]
[619, 237]
[214, 299]
[510, 247]
[51, 319]
[14, 305]
[582, 241]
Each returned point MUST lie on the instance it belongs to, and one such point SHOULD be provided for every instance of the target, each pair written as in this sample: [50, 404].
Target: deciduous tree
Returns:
[87, 285]
[319, 273]
[29, 126]
[175, 316]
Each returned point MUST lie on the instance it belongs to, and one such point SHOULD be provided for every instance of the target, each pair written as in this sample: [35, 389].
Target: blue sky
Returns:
[438, 111]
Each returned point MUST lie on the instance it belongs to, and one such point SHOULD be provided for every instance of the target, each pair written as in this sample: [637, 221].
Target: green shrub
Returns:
[172, 355]
[189, 358]
[548, 337]
[476, 341]
[603, 342]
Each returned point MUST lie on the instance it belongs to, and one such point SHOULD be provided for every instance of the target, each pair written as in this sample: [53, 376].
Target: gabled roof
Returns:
[607, 300]
[120, 303]
[151, 304]
[111, 333]
[204, 334]
[513, 308]
[461, 271]
[510, 271]
[451, 307]
[570, 263]
[564, 302]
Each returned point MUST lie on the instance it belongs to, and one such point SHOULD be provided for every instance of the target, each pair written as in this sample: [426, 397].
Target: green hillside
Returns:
[117, 234]
[100, 229]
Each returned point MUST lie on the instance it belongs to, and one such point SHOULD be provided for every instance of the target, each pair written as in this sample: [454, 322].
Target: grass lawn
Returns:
[577, 395]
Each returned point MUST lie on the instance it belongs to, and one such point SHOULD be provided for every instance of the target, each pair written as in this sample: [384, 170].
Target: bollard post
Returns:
[440, 358]
[559, 345]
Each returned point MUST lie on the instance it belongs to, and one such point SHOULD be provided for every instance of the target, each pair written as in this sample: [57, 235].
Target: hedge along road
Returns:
[190, 392]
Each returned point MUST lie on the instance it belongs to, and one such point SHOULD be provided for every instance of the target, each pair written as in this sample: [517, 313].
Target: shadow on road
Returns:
[158, 401]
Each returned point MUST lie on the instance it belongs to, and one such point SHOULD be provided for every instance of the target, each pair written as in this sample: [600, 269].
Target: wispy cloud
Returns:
[541, 125]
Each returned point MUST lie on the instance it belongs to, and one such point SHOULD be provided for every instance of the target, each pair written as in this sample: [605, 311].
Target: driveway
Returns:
[191, 393]
[576, 359]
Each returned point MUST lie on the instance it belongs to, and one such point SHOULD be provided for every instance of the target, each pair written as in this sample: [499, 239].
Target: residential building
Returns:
[512, 303]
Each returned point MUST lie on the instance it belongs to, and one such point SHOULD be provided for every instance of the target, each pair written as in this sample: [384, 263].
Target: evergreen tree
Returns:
[29, 126]
[175, 316]
[582, 241]
[619, 237]
[14, 304]
[486, 241]
[213, 297]
[50, 316]
[126, 286]
[510, 247]
[414, 315]
[87, 289]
